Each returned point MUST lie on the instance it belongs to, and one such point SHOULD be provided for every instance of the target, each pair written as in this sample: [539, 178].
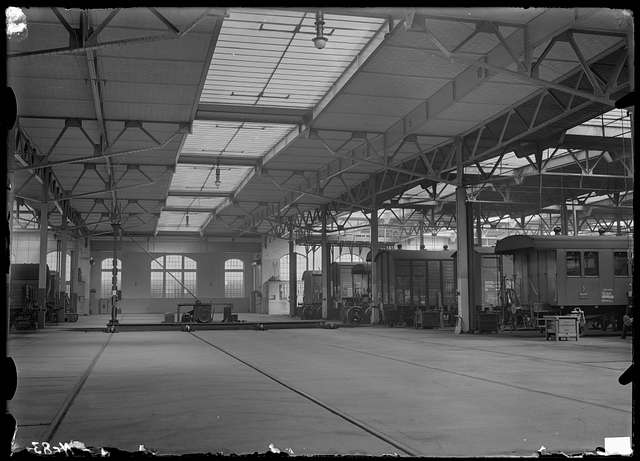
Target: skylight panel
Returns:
[267, 57]
[181, 221]
[245, 139]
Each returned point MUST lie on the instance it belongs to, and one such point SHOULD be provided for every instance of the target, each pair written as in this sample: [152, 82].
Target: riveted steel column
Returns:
[114, 276]
[464, 239]
[375, 276]
[564, 219]
[63, 255]
[42, 274]
[326, 257]
[293, 285]
[73, 282]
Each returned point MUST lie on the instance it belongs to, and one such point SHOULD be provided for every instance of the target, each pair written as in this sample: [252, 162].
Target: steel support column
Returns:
[564, 219]
[64, 246]
[464, 239]
[376, 303]
[326, 258]
[42, 274]
[73, 283]
[293, 292]
[117, 230]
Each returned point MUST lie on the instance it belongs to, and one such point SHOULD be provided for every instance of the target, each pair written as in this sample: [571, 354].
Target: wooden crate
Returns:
[562, 327]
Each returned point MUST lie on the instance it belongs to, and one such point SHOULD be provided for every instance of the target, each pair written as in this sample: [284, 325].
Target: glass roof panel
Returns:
[194, 203]
[181, 221]
[206, 179]
[267, 57]
[243, 139]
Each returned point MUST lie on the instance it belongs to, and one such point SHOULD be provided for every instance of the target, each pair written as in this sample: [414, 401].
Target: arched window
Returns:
[54, 264]
[233, 278]
[106, 274]
[173, 276]
[301, 266]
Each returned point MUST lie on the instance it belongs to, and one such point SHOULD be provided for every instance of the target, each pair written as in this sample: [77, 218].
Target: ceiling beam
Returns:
[235, 160]
[610, 144]
[255, 114]
[199, 193]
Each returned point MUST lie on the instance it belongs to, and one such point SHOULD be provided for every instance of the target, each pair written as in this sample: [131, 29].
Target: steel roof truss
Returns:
[596, 96]
[181, 130]
[78, 45]
[27, 154]
[534, 127]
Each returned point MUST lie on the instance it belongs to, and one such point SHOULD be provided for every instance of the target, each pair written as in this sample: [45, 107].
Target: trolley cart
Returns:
[562, 327]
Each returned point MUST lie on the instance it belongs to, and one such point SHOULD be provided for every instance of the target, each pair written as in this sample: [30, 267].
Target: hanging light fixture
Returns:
[320, 41]
[187, 219]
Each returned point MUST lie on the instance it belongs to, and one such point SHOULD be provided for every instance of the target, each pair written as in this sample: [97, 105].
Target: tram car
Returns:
[557, 274]
[417, 281]
[23, 300]
[350, 291]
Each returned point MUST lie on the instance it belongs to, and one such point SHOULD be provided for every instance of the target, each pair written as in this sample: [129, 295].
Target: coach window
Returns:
[591, 263]
[621, 263]
[573, 263]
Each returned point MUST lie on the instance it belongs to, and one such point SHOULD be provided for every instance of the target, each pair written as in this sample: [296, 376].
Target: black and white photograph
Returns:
[304, 230]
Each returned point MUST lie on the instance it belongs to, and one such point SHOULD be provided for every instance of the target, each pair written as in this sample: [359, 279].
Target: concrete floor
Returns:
[427, 391]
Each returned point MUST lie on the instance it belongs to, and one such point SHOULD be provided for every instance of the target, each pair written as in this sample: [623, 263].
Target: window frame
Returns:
[579, 259]
[299, 269]
[584, 263]
[234, 270]
[626, 265]
[182, 270]
[56, 262]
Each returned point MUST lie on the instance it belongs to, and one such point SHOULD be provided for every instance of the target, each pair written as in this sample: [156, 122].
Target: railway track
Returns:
[404, 448]
[480, 378]
[503, 353]
[52, 428]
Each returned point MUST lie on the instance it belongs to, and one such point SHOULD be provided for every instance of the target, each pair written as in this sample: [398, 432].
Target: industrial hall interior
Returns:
[320, 230]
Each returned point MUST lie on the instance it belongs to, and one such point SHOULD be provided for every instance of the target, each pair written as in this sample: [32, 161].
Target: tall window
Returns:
[173, 276]
[106, 272]
[54, 265]
[301, 266]
[233, 278]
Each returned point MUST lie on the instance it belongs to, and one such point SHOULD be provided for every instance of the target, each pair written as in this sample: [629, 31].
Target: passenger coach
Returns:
[559, 273]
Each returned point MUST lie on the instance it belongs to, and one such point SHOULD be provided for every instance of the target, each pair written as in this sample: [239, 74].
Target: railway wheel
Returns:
[354, 315]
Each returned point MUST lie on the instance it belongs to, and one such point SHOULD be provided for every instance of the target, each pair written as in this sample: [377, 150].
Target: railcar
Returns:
[417, 280]
[556, 274]
[311, 307]
[350, 291]
[23, 299]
